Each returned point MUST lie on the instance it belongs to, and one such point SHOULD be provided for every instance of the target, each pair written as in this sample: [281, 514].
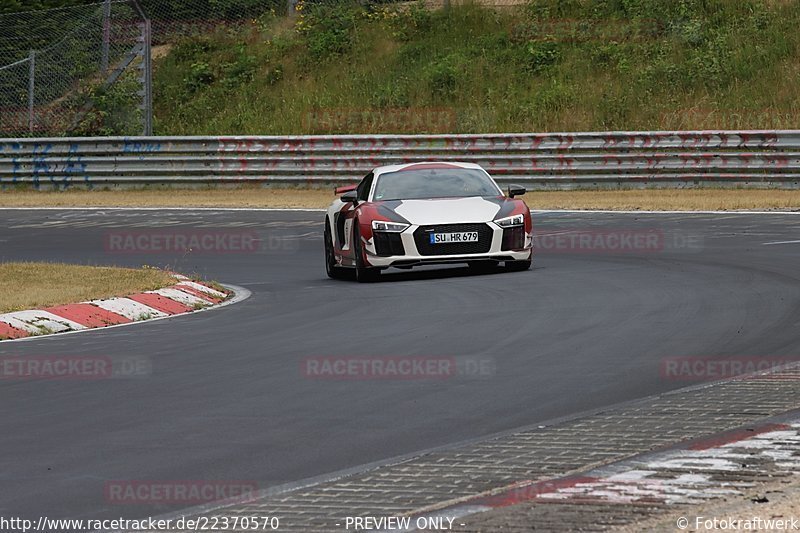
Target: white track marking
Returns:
[182, 297]
[201, 288]
[38, 322]
[781, 242]
[128, 308]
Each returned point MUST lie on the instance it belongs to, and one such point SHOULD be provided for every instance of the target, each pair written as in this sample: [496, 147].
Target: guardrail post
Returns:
[31, 89]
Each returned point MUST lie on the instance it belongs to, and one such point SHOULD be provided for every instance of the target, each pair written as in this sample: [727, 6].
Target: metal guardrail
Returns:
[539, 161]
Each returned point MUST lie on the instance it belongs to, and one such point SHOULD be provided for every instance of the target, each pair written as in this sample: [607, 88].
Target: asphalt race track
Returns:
[228, 397]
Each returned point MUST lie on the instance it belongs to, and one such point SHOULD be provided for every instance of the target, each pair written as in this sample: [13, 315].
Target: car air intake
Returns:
[514, 238]
[387, 244]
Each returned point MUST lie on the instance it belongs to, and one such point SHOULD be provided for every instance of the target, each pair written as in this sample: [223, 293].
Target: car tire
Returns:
[333, 271]
[364, 274]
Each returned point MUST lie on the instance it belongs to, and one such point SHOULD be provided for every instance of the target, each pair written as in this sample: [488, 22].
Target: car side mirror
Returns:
[350, 196]
[515, 190]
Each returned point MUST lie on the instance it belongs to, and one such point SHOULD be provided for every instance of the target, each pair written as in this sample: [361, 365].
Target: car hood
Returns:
[451, 210]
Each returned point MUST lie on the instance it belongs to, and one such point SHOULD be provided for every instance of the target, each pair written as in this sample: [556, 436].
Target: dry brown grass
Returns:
[667, 200]
[650, 199]
[245, 197]
[36, 285]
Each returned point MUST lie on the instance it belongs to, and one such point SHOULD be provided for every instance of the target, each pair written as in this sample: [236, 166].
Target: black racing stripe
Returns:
[506, 209]
[387, 209]
[392, 204]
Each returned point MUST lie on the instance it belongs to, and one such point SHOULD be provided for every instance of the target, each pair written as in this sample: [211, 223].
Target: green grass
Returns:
[552, 65]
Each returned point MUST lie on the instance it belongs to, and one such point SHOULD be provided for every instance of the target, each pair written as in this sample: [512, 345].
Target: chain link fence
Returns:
[186, 18]
[57, 64]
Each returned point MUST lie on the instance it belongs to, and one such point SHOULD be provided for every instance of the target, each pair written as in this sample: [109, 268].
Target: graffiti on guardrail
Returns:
[140, 147]
[540, 161]
[36, 162]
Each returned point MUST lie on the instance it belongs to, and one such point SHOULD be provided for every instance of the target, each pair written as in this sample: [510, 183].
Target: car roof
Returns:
[424, 165]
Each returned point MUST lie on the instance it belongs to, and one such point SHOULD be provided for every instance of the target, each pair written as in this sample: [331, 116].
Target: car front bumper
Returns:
[413, 257]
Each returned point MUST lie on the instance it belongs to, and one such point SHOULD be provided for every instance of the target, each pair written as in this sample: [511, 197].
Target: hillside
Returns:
[549, 65]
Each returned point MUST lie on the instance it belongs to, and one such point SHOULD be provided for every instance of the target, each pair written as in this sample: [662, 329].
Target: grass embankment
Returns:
[650, 199]
[37, 285]
[550, 65]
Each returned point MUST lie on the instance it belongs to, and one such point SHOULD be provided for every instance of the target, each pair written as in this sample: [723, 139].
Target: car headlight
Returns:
[392, 227]
[515, 220]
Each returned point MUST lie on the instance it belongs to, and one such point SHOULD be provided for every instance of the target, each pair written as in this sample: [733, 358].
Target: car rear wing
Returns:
[344, 188]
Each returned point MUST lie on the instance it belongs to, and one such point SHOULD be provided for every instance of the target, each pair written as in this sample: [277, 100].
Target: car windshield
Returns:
[434, 183]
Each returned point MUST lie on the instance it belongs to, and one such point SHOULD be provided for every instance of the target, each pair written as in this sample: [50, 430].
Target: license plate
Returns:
[449, 238]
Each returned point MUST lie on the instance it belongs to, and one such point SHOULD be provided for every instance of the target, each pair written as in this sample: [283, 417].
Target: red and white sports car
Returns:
[426, 213]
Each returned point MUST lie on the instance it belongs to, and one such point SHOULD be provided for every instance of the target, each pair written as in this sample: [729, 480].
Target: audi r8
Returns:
[427, 213]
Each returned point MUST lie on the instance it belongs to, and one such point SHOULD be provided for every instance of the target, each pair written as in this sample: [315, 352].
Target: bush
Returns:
[542, 55]
[200, 75]
[238, 71]
[189, 50]
[114, 110]
[329, 30]
[407, 24]
[443, 76]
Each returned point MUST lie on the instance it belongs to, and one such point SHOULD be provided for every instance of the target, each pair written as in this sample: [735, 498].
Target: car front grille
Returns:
[424, 246]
